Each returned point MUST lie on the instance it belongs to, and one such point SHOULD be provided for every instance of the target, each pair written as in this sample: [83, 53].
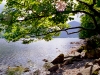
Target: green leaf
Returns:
[40, 18]
[0, 1]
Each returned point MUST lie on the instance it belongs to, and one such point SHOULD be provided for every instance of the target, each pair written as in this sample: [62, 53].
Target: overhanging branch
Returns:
[91, 15]
[74, 32]
[96, 13]
[64, 30]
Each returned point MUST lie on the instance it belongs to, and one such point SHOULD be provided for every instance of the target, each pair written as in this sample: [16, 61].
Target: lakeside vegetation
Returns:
[44, 19]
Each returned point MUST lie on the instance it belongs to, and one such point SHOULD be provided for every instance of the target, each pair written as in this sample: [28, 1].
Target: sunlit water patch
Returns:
[16, 53]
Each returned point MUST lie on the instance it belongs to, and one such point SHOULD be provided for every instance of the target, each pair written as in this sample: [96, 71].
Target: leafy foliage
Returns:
[0, 1]
[87, 22]
[23, 18]
[45, 19]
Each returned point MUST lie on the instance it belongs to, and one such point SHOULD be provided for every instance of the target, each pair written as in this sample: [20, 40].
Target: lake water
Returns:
[16, 53]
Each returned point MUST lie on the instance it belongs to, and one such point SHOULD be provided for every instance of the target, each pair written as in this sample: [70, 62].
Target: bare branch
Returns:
[74, 32]
[80, 28]
[63, 30]
[67, 32]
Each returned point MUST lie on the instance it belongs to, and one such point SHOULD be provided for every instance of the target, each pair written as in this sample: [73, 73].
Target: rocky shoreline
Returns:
[33, 71]
[78, 62]
[73, 63]
[77, 67]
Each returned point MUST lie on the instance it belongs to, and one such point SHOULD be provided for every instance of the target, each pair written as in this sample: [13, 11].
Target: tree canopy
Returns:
[88, 21]
[45, 19]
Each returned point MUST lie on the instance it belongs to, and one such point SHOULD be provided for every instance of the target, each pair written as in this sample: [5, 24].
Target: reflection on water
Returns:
[16, 53]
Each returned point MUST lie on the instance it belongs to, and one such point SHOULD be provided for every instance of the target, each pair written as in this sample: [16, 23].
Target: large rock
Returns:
[97, 61]
[93, 53]
[54, 68]
[59, 59]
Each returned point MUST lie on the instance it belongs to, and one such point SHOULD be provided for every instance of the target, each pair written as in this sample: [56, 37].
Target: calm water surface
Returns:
[16, 53]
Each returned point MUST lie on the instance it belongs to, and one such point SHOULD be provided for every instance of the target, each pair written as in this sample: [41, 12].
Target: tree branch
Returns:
[96, 13]
[91, 15]
[94, 2]
[62, 30]
[74, 32]
[76, 11]
[18, 3]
